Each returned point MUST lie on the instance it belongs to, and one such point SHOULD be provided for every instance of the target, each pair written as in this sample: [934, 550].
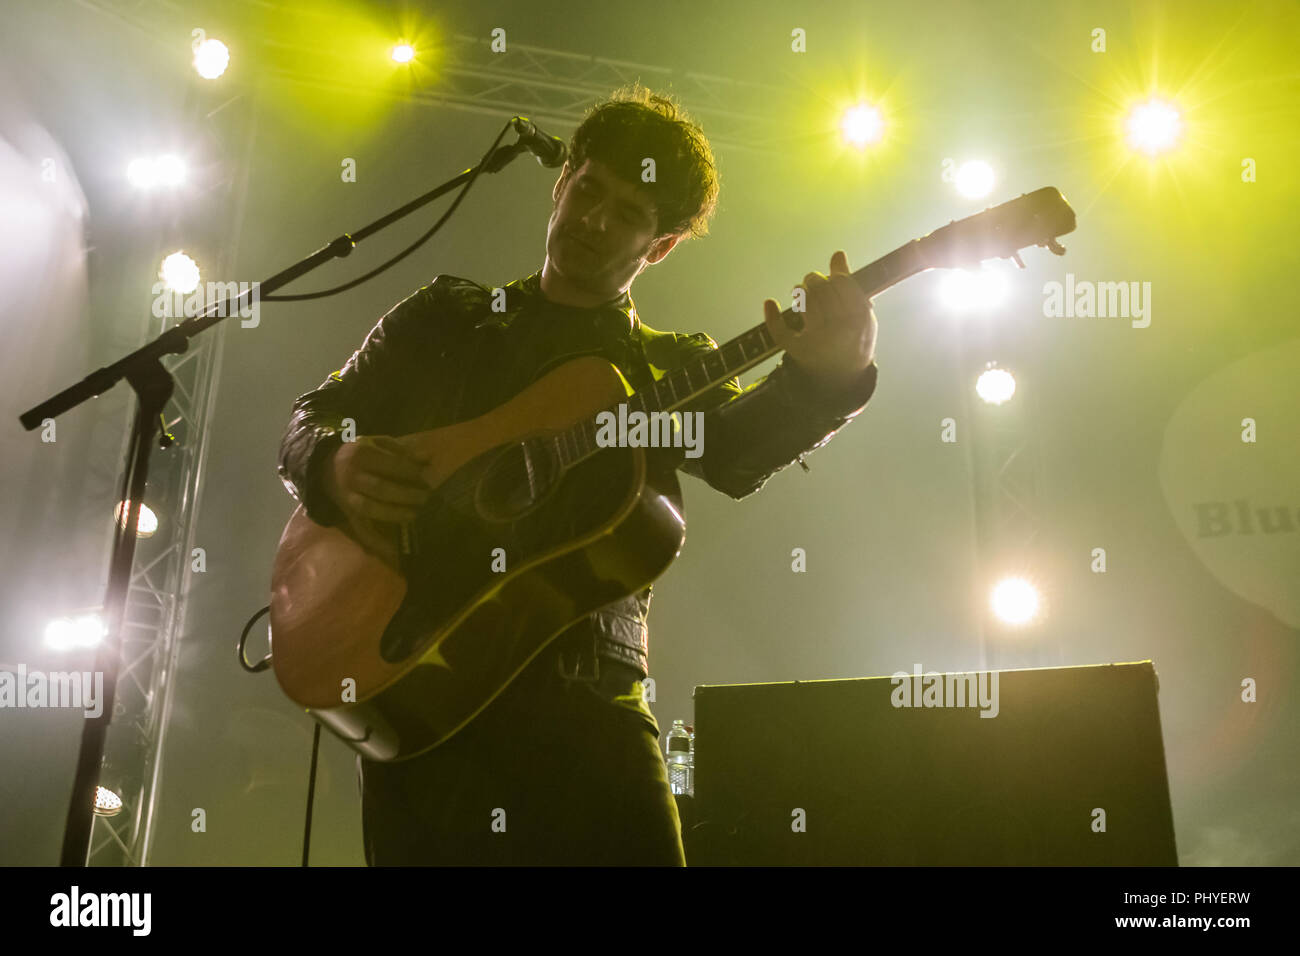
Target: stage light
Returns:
[962, 290]
[169, 170]
[862, 125]
[146, 522]
[995, 386]
[211, 59]
[1015, 601]
[1154, 127]
[974, 179]
[403, 53]
[140, 173]
[146, 173]
[67, 633]
[180, 273]
[107, 803]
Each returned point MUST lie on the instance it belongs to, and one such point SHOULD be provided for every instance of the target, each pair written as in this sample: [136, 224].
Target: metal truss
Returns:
[554, 86]
[164, 572]
[548, 85]
[154, 612]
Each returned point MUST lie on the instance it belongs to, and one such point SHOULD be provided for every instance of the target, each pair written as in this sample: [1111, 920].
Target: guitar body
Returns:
[433, 635]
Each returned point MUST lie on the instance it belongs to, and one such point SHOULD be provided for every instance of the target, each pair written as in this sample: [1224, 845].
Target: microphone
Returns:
[549, 150]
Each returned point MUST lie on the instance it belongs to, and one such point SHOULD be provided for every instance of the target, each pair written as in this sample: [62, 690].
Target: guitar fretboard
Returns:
[676, 388]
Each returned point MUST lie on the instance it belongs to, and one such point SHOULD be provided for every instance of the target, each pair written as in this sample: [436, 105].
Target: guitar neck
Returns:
[682, 385]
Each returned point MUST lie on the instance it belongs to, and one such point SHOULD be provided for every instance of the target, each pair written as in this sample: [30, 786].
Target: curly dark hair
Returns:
[635, 123]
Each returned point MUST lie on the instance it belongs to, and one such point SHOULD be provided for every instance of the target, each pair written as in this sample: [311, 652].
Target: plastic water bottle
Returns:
[691, 762]
[679, 758]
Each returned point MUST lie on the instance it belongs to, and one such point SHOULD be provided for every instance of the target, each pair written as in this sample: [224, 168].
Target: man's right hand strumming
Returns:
[373, 480]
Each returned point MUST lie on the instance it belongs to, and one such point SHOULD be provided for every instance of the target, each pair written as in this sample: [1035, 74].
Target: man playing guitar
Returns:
[564, 766]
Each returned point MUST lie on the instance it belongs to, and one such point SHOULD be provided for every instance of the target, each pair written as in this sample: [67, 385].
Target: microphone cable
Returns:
[409, 249]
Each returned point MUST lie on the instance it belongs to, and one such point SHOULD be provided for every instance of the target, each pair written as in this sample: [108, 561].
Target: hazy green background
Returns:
[885, 514]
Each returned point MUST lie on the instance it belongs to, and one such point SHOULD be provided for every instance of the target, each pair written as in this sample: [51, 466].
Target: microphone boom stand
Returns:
[153, 385]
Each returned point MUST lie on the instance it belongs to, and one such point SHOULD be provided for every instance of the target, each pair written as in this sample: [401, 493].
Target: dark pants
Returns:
[548, 774]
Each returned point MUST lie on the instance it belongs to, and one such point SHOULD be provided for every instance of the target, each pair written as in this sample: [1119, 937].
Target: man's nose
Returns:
[594, 218]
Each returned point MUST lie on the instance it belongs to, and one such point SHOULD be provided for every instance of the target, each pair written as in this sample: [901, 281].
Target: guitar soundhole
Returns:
[517, 480]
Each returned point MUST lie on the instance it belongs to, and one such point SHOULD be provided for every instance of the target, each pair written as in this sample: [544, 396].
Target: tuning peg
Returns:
[1020, 263]
[1055, 247]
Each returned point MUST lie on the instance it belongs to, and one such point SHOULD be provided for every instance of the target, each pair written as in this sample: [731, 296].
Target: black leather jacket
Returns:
[444, 355]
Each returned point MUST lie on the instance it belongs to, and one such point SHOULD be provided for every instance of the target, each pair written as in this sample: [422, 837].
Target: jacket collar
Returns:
[620, 308]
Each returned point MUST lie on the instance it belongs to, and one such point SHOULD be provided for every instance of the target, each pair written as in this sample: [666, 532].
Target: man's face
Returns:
[602, 232]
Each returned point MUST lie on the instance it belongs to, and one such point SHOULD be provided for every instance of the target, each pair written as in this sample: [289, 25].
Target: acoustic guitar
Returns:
[531, 525]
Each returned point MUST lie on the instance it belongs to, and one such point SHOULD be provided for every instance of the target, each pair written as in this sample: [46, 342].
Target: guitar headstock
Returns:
[1000, 232]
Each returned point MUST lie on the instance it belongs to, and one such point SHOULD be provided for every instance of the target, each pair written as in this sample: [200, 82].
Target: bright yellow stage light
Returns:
[1015, 601]
[1154, 127]
[863, 125]
[974, 179]
[964, 290]
[69, 633]
[211, 59]
[995, 386]
[403, 53]
[180, 273]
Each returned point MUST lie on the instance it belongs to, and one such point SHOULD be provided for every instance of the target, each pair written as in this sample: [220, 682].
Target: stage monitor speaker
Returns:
[1070, 771]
